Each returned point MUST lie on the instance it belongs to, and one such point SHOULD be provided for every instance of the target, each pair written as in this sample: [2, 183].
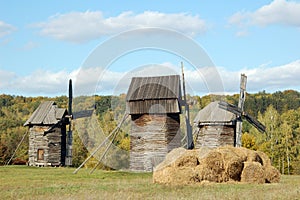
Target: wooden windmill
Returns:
[220, 123]
[240, 113]
[50, 144]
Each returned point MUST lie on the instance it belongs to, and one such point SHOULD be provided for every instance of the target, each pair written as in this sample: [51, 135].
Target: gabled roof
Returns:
[158, 87]
[47, 114]
[213, 114]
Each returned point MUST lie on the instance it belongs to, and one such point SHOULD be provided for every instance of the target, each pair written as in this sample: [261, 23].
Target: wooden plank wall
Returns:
[165, 106]
[215, 136]
[51, 143]
[151, 138]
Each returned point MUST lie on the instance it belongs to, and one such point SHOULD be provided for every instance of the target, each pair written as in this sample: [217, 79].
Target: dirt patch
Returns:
[223, 164]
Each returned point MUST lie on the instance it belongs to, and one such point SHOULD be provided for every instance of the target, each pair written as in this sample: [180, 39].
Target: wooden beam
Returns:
[190, 142]
[238, 141]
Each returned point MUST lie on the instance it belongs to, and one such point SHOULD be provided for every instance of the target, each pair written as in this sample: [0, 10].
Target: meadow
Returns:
[22, 182]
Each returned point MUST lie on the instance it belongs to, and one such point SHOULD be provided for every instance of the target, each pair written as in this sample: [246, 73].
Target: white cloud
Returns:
[29, 46]
[275, 78]
[84, 26]
[6, 78]
[99, 81]
[6, 29]
[40, 82]
[264, 78]
[280, 12]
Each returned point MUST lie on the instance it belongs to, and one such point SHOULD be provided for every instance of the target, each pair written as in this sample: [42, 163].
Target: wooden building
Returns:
[215, 127]
[154, 106]
[47, 135]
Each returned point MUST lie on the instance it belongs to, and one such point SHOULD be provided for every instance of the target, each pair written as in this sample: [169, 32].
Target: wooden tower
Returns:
[154, 106]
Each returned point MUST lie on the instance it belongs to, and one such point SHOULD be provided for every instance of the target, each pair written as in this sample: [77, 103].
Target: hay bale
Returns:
[175, 176]
[234, 169]
[222, 164]
[266, 162]
[233, 160]
[272, 175]
[212, 167]
[253, 172]
[170, 158]
[254, 157]
[187, 161]
[241, 152]
[202, 152]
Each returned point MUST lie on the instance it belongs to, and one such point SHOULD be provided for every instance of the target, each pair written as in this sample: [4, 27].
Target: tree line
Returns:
[279, 112]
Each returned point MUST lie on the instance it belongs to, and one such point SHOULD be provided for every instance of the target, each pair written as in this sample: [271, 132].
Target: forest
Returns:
[279, 112]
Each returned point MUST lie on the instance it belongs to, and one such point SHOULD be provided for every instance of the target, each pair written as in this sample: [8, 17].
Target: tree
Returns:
[249, 141]
[285, 145]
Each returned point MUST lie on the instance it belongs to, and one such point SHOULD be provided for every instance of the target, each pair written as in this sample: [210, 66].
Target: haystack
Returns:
[221, 164]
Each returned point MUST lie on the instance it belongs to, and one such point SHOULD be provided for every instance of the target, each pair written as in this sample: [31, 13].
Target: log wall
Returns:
[151, 138]
[215, 136]
[52, 144]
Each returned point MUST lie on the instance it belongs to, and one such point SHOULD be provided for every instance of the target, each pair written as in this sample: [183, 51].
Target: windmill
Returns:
[72, 116]
[240, 113]
[49, 142]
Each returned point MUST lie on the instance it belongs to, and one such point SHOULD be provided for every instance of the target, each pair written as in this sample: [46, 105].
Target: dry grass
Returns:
[19, 182]
[223, 164]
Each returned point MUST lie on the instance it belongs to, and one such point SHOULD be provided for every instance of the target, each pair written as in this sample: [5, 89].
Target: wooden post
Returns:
[242, 98]
[190, 142]
[68, 160]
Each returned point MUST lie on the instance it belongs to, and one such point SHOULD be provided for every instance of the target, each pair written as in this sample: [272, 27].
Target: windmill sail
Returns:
[229, 107]
[259, 126]
[82, 114]
[237, 111]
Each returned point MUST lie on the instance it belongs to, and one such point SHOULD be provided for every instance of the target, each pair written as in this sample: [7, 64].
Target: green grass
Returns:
[20, 182]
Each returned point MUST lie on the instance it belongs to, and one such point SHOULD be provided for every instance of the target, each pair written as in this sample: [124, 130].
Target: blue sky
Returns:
[43, 44]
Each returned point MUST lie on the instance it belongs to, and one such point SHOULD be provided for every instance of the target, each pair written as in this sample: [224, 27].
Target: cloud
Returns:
[80, 27]
[29, 46]
[6, 78]
[6, 29]
[275, 78]
[264, 78]
[278, 12]
[88, 81]
[40, 82]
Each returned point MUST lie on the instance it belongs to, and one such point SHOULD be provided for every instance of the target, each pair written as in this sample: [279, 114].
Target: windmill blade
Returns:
[229, 107]
[82, 114]
[259, 126]
[235, 110]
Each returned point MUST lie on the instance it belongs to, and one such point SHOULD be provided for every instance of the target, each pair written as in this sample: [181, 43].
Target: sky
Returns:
[101, 45]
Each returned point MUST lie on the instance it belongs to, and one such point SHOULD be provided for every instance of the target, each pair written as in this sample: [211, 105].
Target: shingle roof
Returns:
[158, 87]
[47, 113]
[159, 94]
[213, 114]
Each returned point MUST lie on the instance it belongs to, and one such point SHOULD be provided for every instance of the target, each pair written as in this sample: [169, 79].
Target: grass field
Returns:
[22, 182]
